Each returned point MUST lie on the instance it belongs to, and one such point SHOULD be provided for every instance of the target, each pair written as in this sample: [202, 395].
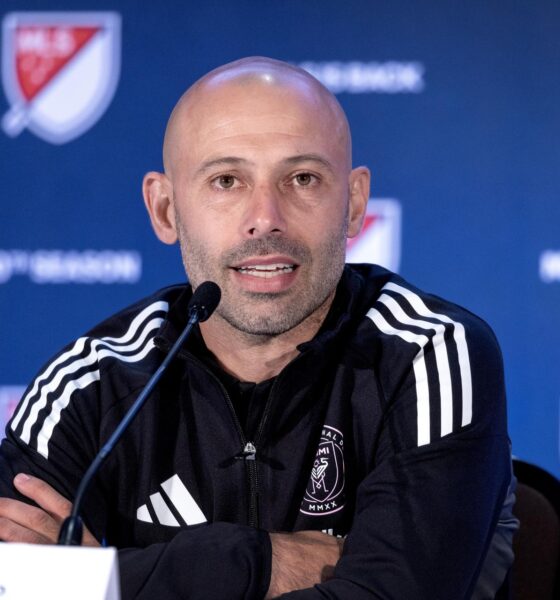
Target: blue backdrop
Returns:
[454, 106]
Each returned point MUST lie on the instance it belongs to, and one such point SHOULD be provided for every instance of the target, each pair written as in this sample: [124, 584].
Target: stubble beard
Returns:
[266, 315]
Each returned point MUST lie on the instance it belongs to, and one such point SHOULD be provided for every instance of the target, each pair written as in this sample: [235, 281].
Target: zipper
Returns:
[248, 449]
[249, 454]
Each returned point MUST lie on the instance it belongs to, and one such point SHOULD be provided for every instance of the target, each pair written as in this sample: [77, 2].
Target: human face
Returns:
[261, 200]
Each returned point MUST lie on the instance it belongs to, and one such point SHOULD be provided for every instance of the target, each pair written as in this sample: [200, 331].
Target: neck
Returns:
[256, 358]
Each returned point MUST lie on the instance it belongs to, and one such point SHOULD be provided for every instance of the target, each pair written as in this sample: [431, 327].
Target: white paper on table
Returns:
[29, 571]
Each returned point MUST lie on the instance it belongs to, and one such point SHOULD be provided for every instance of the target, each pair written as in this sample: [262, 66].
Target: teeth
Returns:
[266, 270]
[268, 267]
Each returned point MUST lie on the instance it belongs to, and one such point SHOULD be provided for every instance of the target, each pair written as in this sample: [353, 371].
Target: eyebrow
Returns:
[238, 161]
[224, 160]
[299, 158]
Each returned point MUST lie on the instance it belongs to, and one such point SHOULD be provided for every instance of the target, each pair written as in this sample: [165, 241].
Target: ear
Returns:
[359, 196]
[158, 197]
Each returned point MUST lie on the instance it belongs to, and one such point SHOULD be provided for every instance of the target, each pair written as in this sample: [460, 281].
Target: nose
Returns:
[265, 212]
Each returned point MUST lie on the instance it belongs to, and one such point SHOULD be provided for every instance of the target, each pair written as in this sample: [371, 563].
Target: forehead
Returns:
[256, 115]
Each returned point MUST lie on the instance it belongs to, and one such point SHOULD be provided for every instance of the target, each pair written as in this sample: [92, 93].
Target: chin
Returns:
[271, 321]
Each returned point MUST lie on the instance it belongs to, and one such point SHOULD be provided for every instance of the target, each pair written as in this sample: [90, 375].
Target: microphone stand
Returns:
[71, 532]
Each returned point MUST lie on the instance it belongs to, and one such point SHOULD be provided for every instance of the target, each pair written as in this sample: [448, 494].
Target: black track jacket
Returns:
[389, 428]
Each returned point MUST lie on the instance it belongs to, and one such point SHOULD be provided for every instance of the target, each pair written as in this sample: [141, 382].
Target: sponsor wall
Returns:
[454, 108]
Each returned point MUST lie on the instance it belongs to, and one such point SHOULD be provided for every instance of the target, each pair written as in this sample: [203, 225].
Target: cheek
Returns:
[203, 222]
[202, 247]
[330, 224]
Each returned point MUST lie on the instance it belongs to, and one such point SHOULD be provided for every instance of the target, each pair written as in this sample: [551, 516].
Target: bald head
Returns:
[246, 80]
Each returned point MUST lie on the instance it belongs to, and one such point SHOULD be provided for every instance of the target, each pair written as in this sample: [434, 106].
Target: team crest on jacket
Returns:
[59, 71]
[325, 491]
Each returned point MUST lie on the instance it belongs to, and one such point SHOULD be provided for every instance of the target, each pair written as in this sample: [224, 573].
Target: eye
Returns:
[305, 179]
[225, 181]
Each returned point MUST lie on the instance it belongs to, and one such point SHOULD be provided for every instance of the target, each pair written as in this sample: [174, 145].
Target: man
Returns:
[324, 416]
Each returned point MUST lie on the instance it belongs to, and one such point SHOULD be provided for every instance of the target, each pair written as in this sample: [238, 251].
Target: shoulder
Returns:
[440, 356]
[393, 312]
[117, 353]
[123, 324]
[126, 336]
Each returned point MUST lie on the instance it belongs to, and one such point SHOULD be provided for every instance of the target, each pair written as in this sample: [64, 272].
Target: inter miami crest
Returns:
[325, 491]
[59, 71]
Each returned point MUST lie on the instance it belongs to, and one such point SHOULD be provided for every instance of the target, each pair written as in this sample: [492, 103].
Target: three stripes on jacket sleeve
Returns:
[40, 410]
[402, 313]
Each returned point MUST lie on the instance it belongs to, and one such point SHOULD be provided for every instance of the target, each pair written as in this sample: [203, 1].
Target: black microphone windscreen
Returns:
[205, 299]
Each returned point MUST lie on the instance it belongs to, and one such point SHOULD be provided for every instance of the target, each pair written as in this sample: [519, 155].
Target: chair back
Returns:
[536, 569]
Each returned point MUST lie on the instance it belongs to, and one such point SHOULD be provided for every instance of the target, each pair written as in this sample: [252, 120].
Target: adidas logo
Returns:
[174, 507]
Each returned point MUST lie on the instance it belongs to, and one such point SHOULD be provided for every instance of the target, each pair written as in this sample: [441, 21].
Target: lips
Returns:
[266, 266]
[266, 271]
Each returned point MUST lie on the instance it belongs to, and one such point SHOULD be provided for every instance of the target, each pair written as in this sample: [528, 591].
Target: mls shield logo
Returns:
[59, 71]
[379, 241]
[325, 491]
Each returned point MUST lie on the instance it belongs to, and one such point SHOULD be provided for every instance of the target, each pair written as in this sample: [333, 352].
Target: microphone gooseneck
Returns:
[203, 303]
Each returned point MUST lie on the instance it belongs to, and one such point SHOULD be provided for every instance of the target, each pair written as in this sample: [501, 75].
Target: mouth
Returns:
[267, 271]
[266, 274]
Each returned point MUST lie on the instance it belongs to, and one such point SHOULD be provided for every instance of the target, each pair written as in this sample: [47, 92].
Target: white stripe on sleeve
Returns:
[420, 372]
[442, 359]
[460, 340]
[91, 359]
[76, 350]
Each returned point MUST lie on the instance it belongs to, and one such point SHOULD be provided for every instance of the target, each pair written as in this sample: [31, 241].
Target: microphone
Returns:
[203, 303]
[205, 300]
